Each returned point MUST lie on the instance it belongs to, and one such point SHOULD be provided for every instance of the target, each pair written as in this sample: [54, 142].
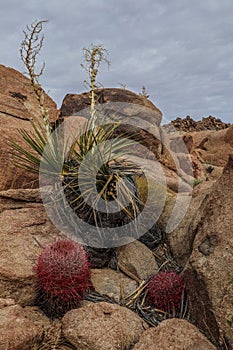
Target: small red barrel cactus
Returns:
[63, 276]
[166, 292]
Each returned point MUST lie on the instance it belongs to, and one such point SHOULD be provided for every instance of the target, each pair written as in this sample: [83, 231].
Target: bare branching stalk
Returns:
[41, 136]
[144, 92]
[94, 56]
[29, 51]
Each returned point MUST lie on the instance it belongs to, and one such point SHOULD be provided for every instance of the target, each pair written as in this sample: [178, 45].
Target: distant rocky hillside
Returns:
[208, 123]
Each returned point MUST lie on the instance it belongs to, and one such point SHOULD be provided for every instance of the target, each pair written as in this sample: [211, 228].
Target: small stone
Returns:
[112, 283]
[137, 261]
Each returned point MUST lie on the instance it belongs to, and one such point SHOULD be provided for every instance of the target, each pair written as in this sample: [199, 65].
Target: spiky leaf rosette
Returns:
[166, 292]
[63, 276]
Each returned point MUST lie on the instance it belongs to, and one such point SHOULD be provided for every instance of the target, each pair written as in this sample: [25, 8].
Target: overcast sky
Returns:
[181, 50]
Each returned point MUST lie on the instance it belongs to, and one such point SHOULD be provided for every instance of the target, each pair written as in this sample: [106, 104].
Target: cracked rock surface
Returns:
[209, 271]
[18, 107]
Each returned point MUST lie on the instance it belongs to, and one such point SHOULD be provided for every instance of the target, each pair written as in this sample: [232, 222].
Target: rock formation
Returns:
[114, 314]
[174, 334]
[209, 270]
[18, 107]
[75, 103]
[209, 123]
[102, 326]
[139, 118]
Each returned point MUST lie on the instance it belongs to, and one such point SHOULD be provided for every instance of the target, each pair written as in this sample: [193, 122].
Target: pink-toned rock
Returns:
[209, 271]
[17, 86]
[213, 147]
[18, 107]
[38, 318]
[229, 136]
[178, 156]
[206, 123]
[73, 103]
[199, 170]
[163, 175]
[137, 261]
[24, 229]
[102, 326]
[174, 334]
[176, 183]
[178, 165]
[10, 175]
[17, 330]
[137, 117]
[206, 147]
[112, 283]
[180, 240]
[24, 195]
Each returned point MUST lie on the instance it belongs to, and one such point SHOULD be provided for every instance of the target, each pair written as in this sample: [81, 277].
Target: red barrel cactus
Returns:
[166, 292]
[63, 276]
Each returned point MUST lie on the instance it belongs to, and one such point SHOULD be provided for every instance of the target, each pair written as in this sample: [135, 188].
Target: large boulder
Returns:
[102, 326]
[18, 107]
[17, 87]
[229, 136]
[139, 118]
[24, 230]
[174, 334]
[180, 239]
[209, 270]
[212, 147]
[74, 103]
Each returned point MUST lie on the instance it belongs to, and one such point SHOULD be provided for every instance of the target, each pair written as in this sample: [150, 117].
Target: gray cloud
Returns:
[181, 51]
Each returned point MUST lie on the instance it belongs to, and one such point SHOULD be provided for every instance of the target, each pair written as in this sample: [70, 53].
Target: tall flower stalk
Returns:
[29, 51]
[93, 57]
[31, 155]
[96, 145]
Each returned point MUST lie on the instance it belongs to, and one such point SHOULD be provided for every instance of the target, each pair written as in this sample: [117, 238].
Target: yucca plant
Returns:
[100, 176]
[93, 169]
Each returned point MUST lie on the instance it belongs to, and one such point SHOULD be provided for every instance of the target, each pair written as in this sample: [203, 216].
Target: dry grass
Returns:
[136, 301]
[52, 339]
